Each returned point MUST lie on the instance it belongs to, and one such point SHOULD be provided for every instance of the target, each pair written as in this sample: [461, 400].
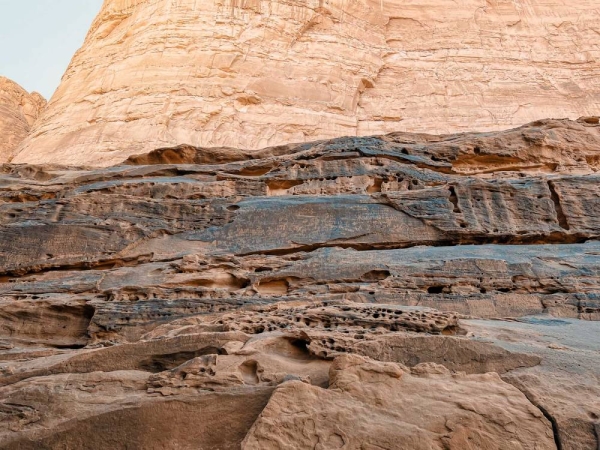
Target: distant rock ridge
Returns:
[257, 73]
[18, 110]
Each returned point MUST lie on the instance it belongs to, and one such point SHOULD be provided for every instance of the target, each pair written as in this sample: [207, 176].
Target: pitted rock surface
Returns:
[438, 292]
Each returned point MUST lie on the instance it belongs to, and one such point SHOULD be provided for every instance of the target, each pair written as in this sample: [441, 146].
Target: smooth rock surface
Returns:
[405, 408]
[257, 73]
[569, 369]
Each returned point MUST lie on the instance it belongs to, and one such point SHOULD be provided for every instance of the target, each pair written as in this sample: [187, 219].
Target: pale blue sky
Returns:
[38, 38]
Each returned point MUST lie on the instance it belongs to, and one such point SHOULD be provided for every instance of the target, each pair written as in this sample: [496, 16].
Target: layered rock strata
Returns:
[257, 73]
[437, 292]
[18, 111]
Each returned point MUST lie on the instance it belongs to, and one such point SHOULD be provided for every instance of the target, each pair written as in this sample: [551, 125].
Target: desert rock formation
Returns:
[430, 292]
[257, 73]
[477, 411]
[18, 111]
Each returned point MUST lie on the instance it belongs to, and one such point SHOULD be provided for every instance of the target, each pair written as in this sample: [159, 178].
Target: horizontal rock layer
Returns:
[259, 73]
[443, 290]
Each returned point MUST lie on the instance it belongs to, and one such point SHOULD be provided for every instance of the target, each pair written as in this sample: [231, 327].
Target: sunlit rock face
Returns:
[18, 111]
[252, 73]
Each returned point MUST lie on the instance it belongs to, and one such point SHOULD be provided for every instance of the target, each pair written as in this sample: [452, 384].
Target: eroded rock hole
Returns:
[376, 186]
[249, 371]
[376, 275]
[273, 287]
[281, 187]
[435, 289]
[299, 349]
[560, 215]
[254, 171]
[160, 363]
[454, 200]
[453, 331]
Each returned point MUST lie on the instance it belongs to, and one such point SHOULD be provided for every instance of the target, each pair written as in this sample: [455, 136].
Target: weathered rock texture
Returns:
[405, 408]
[378, 292]
[257, 73]
[18, 111]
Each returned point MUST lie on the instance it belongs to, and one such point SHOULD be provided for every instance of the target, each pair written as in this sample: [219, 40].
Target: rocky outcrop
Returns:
[569, 349]
[412, 290]
[405, 408]
[258, 73]
[18, 111]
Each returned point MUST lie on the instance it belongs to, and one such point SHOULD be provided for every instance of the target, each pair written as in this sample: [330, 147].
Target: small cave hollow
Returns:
[162, 362]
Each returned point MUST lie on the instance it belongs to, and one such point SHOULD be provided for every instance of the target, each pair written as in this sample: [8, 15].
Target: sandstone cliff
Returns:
[268, 258]
[18, 110]
[256, 73]
[400, 291]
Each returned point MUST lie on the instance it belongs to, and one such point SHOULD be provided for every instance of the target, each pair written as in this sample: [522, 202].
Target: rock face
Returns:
[257, 73]
[362, 292]
[18, 111]
[405, 408]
